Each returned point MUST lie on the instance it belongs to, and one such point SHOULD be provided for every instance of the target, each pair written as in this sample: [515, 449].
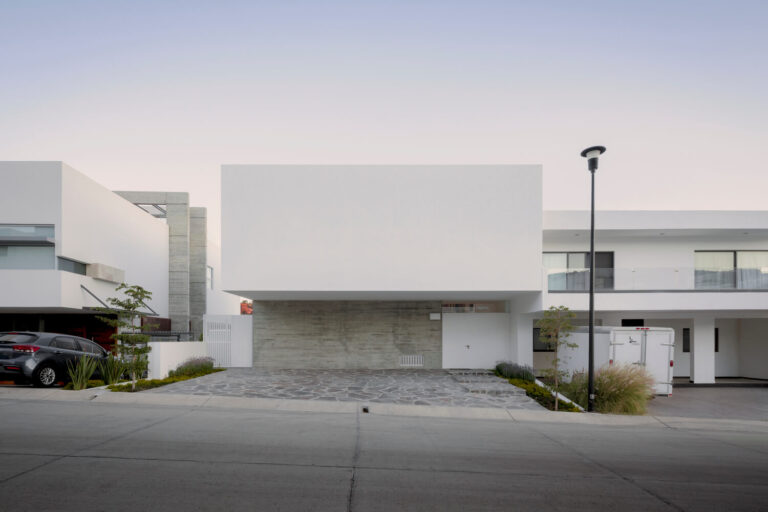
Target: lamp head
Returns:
[592, 154]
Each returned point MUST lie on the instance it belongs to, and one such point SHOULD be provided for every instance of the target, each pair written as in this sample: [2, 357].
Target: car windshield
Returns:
[13, 337]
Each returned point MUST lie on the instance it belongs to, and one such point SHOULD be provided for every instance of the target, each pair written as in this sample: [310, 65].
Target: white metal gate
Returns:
[229, 339]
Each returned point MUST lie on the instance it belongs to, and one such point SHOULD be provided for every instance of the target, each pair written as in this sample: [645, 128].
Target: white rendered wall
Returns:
[219, 302]
[167, 355]
[753, 348]
[727, 303]
[476, 340]
[367, 232]
[30, 288]
[92, 225]
[98, 226]
[727, 358]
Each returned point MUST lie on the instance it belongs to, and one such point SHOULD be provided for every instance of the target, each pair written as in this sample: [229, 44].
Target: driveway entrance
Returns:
[414, 387]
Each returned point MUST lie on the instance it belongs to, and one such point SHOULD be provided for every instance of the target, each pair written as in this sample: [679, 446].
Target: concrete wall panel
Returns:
[344, 334]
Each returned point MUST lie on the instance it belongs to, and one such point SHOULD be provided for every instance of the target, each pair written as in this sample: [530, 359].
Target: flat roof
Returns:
[656, 221]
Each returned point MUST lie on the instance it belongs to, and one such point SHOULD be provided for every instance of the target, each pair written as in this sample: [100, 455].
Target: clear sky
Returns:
[157, 95]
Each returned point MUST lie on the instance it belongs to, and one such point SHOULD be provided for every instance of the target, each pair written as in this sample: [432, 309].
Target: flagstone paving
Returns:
[414, 387]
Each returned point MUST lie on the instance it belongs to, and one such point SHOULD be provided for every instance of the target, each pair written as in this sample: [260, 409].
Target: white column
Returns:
[522, 338]
[703, 350]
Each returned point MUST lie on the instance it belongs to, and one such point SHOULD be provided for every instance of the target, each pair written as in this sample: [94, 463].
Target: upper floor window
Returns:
[209, 277]
[723, 270]
[570, 270]
[25, 231]
[27, 257]
[26, 247]
[73, 266]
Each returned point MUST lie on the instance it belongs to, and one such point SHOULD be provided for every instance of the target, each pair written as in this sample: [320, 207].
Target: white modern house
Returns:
[66, 242]
[450, 266]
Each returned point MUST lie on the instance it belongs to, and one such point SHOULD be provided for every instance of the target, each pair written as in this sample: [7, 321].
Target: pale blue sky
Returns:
[156, 95]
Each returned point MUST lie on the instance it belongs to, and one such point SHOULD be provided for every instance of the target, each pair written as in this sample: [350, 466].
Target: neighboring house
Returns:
[703, 273]
[66, 242]
[450, 266]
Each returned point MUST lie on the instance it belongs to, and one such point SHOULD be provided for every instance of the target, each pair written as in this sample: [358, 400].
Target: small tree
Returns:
[555, 328]
[131, 345]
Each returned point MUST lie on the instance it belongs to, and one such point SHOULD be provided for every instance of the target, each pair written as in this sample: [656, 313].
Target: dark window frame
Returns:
[65, 339]
[586, 254]
[538, 345]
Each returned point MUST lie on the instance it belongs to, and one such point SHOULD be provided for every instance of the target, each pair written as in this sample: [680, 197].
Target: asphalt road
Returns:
[88, 456]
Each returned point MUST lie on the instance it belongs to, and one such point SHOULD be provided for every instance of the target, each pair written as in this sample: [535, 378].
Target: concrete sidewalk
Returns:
[103, 396]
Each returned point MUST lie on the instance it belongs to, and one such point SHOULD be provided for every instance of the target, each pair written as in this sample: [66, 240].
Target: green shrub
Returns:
[144, 384]
[80, 372]
[542, 395]
[112, 369]
[515, 371]
[619, 389]
[95, 383]
[193, 367]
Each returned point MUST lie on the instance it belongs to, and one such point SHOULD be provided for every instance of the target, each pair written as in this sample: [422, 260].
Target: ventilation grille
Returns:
[412, 361]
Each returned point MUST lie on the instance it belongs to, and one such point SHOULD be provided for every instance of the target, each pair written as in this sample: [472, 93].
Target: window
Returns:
[22, 231]
[569, 271]
[538, 345]
[73, 266]
[632, 322]
[17, 338]
[91, 348]
[474, 307]
[28, 257]
[724, 270]
[64, 343]
[26, 247]
[717, 339]
[209, 277]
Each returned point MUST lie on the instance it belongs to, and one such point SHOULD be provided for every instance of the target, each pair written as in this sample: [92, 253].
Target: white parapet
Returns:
[167, 355]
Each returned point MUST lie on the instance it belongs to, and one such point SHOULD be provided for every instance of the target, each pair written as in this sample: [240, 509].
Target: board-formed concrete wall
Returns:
[344, 334]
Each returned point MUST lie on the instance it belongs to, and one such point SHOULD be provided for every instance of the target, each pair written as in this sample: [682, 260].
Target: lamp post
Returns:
[592, 154]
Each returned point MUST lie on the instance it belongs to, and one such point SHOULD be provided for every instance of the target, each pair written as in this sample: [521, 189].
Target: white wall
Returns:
[98, 226]
[476, 340]
[753, 356]
[167, 355]
[29, 288]
[219, 302]
[92, 225]
[727, 359]
[341, 231]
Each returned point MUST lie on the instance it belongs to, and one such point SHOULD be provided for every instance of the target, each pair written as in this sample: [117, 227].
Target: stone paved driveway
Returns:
[415, 387]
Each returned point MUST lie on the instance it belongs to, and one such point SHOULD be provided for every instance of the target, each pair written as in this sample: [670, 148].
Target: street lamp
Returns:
[592, 154]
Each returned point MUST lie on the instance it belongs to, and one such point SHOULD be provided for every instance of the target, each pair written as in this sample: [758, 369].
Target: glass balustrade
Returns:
[657, 279]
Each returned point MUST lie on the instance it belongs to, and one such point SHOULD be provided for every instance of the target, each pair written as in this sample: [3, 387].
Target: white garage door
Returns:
[475, 340]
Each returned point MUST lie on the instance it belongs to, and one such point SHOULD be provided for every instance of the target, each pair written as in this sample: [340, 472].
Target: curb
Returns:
[101, 395]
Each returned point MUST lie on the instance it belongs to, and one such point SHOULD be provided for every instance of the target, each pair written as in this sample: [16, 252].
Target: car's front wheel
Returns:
[46, 376]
